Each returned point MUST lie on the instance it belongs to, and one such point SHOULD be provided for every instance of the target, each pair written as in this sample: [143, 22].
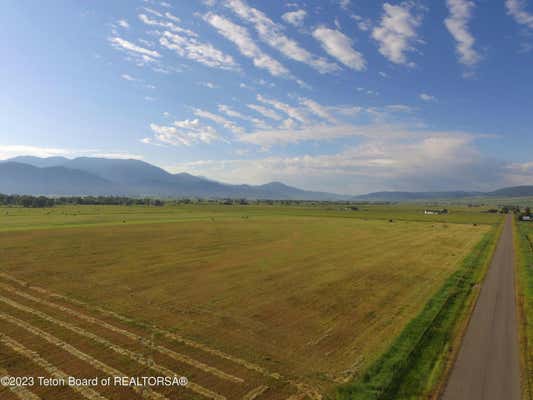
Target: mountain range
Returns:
[59, 176]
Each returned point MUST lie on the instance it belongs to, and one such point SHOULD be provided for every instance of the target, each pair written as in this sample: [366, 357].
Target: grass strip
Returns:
[412, 365]
[524, 260]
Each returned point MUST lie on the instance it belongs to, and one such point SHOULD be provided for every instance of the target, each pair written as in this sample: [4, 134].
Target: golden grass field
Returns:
[264, 305]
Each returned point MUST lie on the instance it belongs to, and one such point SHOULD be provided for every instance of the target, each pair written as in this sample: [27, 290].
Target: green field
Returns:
[316, 294]
[71, 216]
[525, 271]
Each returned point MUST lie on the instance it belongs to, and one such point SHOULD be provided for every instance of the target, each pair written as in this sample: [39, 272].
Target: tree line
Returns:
[28, 201]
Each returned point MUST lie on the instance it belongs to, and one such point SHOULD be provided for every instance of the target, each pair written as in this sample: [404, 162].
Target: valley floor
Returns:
[296, 301]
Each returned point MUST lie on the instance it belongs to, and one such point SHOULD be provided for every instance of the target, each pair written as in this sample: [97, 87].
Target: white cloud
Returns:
[264, 82]
[434, 161]
[266, 112]
[292, 112]
[172, 17]
[122, 156]
[127, 77]
[145, 54]
[186, 132]
[364, 24]
[295, 18]
[185, 43]
[272, 34]
[203, 53]
[457, 25]
[218, 119]
[399, 108]
[427, 97]
[209, 85]
[230, 112]
[318, 109]
[335, 122]
[166, 24]
[339, 46]
[344, 4]
[241, 38]
[320, 132]
[123, 23]
[517, 9]
[397, 32]
[348, 111]
[10, 151]
[520, 173]
[153, 12]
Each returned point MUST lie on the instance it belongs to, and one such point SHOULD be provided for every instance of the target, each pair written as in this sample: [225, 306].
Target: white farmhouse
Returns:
[435, 212]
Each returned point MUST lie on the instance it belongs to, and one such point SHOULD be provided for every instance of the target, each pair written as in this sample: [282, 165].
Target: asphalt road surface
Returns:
[487, 366]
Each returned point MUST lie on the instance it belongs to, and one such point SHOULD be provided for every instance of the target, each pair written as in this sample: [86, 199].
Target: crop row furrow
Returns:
[144, 392]
[21, 392]
[137, 357]
[302, 388]
[255, 393]
[163, 350]
[162, 332]
[55, 372]
[297, 396]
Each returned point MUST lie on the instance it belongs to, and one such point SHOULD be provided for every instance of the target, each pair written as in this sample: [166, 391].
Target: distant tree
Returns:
[26, 201]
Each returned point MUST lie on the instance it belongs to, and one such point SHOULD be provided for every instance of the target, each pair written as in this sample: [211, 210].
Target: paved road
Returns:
[487, 367]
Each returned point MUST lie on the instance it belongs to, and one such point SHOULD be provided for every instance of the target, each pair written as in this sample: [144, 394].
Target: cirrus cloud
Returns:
[248, 48]
[272, 34]
[517, 9]
[396, 33]
[141, 53]
[295, 18]
[339, 46]
[186, 133]
[457, 25]
[186, 43]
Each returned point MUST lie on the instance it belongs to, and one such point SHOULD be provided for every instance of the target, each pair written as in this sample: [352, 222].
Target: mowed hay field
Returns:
[266, 306]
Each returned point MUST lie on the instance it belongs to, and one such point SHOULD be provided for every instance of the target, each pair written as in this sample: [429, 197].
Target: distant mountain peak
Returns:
[275, 184]
[40, 162]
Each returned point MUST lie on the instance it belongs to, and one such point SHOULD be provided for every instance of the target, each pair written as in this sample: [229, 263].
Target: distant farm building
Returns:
[526, 218]
[436, 212]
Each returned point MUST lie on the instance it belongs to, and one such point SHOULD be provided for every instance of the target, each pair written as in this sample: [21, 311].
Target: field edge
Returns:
[524, 296]
[426, 347]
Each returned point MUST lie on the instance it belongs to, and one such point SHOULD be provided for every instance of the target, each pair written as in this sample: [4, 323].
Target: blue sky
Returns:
[336, 95]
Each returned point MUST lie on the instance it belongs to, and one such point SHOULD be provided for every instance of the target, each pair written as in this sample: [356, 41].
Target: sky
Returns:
[345, 96]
